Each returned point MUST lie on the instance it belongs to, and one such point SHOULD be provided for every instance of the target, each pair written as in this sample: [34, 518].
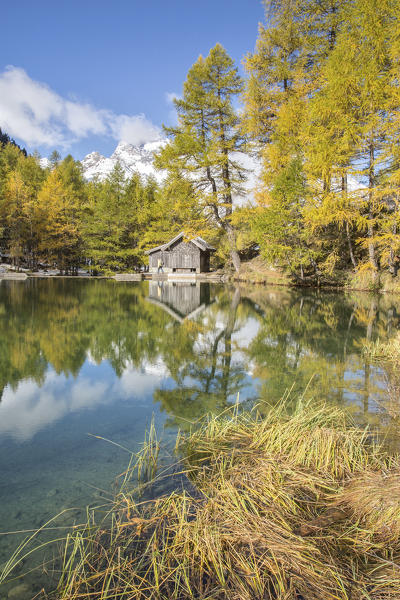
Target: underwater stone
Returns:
[19, 592]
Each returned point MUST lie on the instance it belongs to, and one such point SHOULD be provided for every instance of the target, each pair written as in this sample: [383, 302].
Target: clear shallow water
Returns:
[82, 357]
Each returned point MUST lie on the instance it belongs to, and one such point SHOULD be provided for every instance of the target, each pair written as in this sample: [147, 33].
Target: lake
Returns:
[83, 362]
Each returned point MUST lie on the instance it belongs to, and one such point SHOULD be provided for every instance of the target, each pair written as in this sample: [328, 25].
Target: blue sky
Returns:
[79, 76]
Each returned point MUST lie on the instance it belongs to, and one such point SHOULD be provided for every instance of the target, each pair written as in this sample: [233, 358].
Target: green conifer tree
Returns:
[110, 222]
[204, 145]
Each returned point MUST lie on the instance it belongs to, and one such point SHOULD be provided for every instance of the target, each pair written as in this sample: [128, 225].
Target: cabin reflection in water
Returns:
[181, 300]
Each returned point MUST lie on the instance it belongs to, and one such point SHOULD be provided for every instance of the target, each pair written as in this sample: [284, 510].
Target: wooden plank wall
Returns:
[181, 255]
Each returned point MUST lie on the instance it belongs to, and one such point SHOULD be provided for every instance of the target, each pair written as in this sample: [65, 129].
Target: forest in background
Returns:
[318, 107]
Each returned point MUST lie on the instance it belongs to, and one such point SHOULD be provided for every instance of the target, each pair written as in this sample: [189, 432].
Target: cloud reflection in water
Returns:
[29, 408]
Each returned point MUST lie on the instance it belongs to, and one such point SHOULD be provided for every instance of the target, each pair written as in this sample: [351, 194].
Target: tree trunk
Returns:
[371, 183]
[211, 375]
[230, 325]
[373, 309]
[232, 244]
[348, 236]
[393, 265]
[332, 32]
[367, 367]
[350, 245]
[347, 335]
[226, 178]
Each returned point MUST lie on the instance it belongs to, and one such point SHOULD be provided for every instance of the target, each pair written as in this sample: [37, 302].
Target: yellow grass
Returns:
[284, 507]
[384, 351]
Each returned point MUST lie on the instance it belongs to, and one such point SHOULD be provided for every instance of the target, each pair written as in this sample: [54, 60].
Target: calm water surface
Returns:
[82, 358]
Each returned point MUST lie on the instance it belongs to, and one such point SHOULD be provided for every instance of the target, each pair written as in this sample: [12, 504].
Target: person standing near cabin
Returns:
[160, 266]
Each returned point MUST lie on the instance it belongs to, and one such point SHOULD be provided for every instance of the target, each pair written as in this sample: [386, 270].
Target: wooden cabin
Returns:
[178, 256]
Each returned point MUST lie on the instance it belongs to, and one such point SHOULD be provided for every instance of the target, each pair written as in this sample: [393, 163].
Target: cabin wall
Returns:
[153, 261]
[181, 257]
[204, 261]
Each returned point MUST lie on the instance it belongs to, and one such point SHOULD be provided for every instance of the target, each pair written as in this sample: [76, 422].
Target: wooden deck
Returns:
[189, 277]
[128, 277]
[13, 276]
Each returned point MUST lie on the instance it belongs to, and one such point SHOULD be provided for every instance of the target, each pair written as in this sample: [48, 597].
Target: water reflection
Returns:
[181, 300]
[212, 370]
[101, 357]
[193, 347]
[28, 409]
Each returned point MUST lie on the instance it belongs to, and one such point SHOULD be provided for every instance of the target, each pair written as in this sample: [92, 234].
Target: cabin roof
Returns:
[173, 312]
[197, 241]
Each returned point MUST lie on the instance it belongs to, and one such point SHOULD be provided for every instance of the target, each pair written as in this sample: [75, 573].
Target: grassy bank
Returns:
[365, 281]
[259, 271]
[279, 507]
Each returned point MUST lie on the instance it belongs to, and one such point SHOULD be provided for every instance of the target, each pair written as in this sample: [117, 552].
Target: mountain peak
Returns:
[133, 159]
[125, 147]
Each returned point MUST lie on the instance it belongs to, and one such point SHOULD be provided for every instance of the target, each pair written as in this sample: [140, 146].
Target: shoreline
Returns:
[323, 288]
[212, 277]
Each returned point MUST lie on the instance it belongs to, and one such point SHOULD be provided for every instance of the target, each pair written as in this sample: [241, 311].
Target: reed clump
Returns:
[387, 356]
[280, 507]
[384, 352]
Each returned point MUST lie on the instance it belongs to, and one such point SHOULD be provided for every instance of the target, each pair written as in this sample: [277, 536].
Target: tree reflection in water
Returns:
[214, 342]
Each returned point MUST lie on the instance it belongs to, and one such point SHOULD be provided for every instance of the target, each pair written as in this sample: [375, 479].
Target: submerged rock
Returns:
[20, 592]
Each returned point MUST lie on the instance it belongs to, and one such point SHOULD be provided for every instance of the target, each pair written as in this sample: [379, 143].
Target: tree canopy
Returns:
[319, 107]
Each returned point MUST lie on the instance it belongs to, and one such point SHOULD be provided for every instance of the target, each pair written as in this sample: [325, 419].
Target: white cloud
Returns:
[134, 129]
[33, 113]
[83, 119]
[171, 96]
[172, 114]
[27, 410]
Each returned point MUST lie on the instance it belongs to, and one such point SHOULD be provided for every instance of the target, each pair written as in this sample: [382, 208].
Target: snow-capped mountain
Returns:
[133, 159]
[140, 159]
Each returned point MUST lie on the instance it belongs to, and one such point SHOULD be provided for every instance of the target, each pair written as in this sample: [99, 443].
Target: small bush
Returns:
[364, 279]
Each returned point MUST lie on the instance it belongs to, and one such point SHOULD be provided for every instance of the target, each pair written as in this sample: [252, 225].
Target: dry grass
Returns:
[258, 271]
[372, 500]
[387, 356]
[286, 508]
[366, 279]
[384, 352]
[300, 507]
